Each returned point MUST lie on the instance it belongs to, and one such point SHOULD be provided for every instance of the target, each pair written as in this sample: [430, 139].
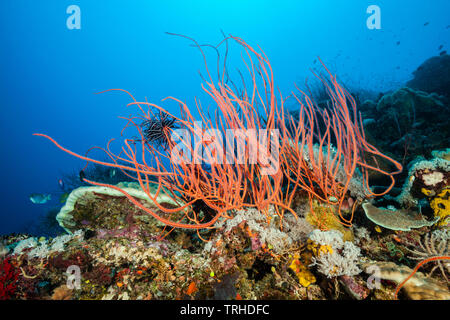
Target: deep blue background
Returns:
[48, 74]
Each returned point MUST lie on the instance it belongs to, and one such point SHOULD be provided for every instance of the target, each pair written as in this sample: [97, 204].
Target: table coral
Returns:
[400, 220]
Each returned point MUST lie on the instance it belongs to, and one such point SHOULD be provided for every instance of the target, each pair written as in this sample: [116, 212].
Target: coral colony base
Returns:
[252, 202]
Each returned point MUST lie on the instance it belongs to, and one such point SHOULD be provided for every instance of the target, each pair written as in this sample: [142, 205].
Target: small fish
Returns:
[82, 175]
[443, 53]
[39, 198]
[61, 183]
[378, 229]
[425, 24]
[112, 173]
[63, 197]
[398, 42]
[440, 47]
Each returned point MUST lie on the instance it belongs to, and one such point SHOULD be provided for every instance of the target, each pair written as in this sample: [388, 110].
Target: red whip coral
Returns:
[262, 174]
[8, 279]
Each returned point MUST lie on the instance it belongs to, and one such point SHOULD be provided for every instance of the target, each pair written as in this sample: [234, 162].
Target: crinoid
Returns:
[157, 129]
[434, 244]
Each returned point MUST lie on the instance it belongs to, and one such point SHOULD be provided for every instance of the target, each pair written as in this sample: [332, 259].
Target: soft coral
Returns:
[8, 279]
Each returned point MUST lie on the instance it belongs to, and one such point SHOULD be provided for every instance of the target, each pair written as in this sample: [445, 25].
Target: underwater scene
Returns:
[225, 150]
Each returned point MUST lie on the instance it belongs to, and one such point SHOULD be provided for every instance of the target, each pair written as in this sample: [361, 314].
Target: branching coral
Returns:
[318, 153]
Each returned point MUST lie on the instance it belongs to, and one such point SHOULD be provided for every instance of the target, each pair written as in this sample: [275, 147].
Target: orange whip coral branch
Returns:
[421, 263]
[312, 150]
[328, 145]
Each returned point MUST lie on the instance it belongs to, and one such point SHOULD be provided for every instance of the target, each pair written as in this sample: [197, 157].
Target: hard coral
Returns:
[433, 75]
[407, 123]
[392, 219]
[425, 178]
[419, 287]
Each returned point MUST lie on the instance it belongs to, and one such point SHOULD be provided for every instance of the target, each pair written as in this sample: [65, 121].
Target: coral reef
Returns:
[245, 258]
[334, 256]
[442, 154]
[419, 287]
[433, 76]
[289, 224]
[425, 178]
[320, 152]
[435, 244]
[428, 179]
[407, 123]
[83, 194]
[402, 220]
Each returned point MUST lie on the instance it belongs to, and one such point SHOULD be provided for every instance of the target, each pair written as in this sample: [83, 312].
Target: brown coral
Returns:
[419, 286]
[62, 293]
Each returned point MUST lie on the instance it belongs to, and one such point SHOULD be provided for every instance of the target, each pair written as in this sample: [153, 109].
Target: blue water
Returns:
[49, 74]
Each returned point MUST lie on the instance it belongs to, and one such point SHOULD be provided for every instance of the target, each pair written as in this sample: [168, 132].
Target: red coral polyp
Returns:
[8, 279]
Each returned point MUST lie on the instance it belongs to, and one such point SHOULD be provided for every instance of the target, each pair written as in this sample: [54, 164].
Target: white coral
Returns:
[332, 238]
[342, 260]
[441, 234]
[42, 249]
[361, 233]
[432, 179]
[294, 229]
[25, 244]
